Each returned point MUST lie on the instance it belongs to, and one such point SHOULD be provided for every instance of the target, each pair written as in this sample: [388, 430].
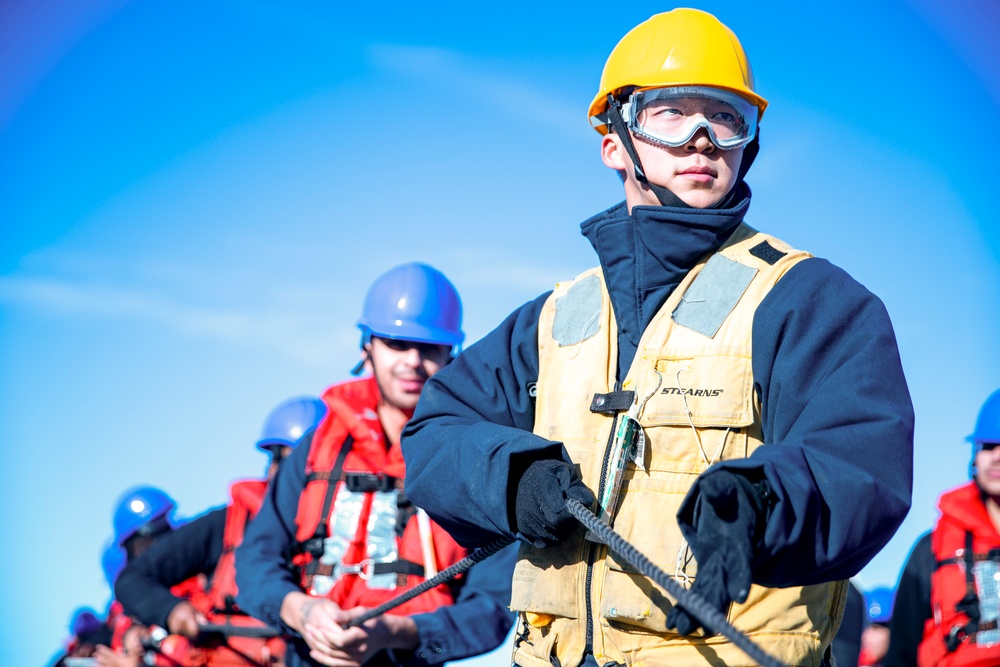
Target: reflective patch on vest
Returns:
[987, 576]
[712, 296]
[382, 546]
[578, 313]
[346, 513]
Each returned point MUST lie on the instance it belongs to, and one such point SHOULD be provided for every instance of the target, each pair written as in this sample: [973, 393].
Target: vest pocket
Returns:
[550, 581]
[698, 389]
[646, 520]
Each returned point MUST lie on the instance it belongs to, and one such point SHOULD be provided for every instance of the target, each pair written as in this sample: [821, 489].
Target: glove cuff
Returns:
[759, 493]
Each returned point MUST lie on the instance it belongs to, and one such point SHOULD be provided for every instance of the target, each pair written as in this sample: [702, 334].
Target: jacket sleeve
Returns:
[912, 607]
[447, 634]
[471, 431]
[837, 424]
[264, 575]
[143, 587]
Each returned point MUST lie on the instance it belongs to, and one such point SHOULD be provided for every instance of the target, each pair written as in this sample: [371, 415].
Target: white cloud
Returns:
[459, 74]
[297, 334]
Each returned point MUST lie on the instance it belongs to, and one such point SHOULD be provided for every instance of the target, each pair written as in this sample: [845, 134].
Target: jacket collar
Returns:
[646, 254]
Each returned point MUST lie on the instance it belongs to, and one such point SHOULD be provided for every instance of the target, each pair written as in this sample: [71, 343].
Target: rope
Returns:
[438, 579]
[710, 617]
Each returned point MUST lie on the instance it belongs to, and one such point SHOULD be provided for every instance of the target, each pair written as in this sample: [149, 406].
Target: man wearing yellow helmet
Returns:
[723, 400]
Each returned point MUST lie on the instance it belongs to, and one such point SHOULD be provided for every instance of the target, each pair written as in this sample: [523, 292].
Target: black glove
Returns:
[722, 519]
[540, 507]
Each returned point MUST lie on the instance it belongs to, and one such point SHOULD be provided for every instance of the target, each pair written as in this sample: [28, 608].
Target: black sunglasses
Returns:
[406, 345]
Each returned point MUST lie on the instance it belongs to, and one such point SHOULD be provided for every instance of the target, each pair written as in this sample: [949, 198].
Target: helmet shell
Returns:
[988, 424]
[878, 605]
[290, 422]
[84, 622]
[413, 302]
[682, 47]
[138, 507]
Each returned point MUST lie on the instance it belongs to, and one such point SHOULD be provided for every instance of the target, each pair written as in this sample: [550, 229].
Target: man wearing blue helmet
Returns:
[947, 606]
[205, 547]
[338, 508]
[87, 632]
[875, 637]
[143, 516]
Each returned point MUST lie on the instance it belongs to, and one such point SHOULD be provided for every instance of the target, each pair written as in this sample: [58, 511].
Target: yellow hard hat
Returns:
[683, 47]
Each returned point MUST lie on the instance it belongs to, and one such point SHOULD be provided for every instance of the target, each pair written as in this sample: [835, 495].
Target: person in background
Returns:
[913, 605]
[947, 603]
[142, 515]
[85, 635]
[726, 397]
[846, 646]
[875, 638]
[87, 632]
[206, 547]
[338, 507]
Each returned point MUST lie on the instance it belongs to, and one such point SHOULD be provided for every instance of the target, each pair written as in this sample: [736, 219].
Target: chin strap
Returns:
[665, 195]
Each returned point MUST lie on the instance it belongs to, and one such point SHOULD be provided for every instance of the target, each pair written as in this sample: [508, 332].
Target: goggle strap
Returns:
[615, 117]
[665, 196]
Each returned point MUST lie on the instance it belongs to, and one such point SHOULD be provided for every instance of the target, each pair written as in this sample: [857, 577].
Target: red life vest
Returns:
[361, 543]
[192, 590]
[247, 497]
[218, 604]
[179, 651]
[966, 546]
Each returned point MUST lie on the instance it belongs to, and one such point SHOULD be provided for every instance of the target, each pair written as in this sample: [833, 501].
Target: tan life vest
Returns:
[693, 384]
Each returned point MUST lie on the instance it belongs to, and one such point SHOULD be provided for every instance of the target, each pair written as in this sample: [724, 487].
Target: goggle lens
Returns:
[672, 116]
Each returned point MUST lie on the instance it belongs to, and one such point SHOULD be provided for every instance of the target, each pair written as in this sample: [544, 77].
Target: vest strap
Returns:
[368, 482]
[314, 545]
[613, 401]
[367, 568]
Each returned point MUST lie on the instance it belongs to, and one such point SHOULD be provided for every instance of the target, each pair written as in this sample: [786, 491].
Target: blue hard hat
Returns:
[878, 605]
[138, 508]
[988, 424]
[84, 622]
[290, 422]
[413, 302]
[113, 562]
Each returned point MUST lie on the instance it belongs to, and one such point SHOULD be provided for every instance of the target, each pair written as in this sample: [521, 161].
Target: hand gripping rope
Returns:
[709, 616]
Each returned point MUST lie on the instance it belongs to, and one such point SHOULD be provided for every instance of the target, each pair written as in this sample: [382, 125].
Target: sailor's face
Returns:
[988, 468]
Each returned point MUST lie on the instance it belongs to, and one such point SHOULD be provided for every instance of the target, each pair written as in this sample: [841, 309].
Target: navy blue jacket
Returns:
[836, 413]
[195, 548]
[912, 606]
[264, 578]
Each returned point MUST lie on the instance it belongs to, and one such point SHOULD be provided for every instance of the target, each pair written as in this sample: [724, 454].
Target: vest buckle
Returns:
[364, 569]
[367, 482]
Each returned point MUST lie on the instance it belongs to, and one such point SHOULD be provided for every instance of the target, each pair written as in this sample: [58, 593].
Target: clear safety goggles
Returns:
[671, 116]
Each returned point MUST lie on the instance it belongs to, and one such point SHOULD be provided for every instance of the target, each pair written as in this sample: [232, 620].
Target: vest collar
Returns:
[646, 254]
[965, 507]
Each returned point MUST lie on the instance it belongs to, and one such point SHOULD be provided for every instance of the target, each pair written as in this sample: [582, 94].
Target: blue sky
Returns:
[194, 197]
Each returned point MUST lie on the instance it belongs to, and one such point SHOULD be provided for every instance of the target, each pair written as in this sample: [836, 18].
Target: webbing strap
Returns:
[367, 569]
[323, 527]
[968, 605]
